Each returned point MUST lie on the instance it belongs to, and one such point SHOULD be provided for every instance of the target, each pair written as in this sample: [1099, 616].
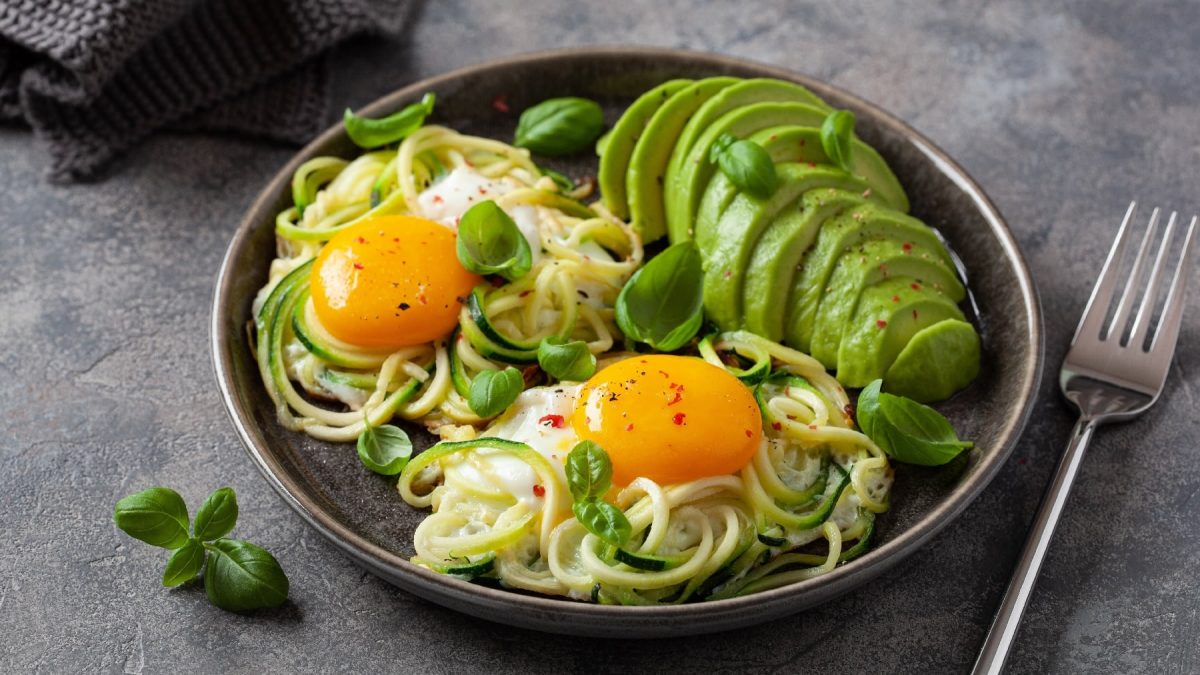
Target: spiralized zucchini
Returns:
[330, 389]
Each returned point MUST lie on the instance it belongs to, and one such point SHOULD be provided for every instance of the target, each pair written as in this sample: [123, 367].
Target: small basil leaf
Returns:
[217, 515]
[559, 126]
[662, 304]
[492, 391]
[748, 166]
[372, 133]
[489, 242]
[564, 183]
[571, 361]
[720, 145]
[603, 520]
[907, 431]
[589, 471]
[156, 516]
[384, 449]
[242, 576]
[184, 564]
[837, 138]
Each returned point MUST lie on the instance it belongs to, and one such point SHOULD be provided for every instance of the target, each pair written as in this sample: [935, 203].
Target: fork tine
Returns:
[1141, 323]
[1097, 306]
[1172, 315]
[1125, 305]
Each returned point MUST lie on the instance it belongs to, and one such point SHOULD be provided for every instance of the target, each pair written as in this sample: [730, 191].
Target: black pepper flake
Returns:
[404, 306]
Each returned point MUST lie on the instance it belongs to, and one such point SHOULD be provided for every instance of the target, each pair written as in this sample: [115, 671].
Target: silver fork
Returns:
[1109, 380]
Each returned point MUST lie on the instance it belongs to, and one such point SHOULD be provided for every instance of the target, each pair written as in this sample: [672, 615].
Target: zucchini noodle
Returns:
[333, 390]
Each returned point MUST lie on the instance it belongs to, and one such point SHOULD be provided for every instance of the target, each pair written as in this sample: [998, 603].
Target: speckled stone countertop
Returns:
[1063, 114]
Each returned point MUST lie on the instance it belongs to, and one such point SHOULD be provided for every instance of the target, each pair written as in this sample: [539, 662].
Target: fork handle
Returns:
[1012, 607]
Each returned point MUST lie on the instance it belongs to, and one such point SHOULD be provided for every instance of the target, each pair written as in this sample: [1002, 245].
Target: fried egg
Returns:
[390, 282]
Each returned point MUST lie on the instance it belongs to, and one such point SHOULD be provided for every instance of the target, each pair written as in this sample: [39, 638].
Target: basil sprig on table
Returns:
[747, 165]
[238, 576]
[662, 304]
[837, 136]
[492, 391]
[489, 242]
[907, 431]
[560, 126]
[562, 360]
[385, 449]
[589, 476]
[372, 133]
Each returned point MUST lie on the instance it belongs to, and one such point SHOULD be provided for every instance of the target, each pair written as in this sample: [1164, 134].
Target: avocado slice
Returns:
[869, 221]
[780, 249]
[938, 361]
[728, 251]
[803, 144]
[687, 180]
[861, 267]
[652, 152]
[887, 317]
[614, 160]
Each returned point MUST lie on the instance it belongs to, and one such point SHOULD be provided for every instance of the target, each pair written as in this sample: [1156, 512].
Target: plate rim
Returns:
[547, 613]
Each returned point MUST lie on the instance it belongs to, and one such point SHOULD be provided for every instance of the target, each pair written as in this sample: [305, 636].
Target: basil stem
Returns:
[907, 431]
[217, 515]
[747, 165]
[372, 133]
[156, 516]
[562, 360]
[385, 449]
[559, 126]
[837, 138]
[492, 391]
[489, 242]
[662, 304]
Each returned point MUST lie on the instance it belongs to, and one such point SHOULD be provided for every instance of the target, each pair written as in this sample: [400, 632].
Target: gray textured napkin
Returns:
[93, 77]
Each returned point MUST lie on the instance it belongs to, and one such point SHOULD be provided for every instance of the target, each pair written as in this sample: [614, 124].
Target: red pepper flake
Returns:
[524, 293]
[915, 286]
[629, 427]
[678, 419]
[881, 323]
[749, 434]
[396, 239]
[907, 247]
[539, 491]
[848, 411]
[914, 314]
[813, 427]
[812, 165]
[773, 137]
[777, 426]
[728, 274]
[482, 190]
[500, 103]
[895, 298]
[358, 266]
[421, 298]
[802, 142]
[555, 421]
[437, 199]
[361, 240]
[677, 399]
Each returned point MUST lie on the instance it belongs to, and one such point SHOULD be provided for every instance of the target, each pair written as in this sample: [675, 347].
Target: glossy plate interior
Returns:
[363, 515]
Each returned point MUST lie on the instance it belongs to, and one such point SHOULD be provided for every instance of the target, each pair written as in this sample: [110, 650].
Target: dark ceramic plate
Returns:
[363, 515]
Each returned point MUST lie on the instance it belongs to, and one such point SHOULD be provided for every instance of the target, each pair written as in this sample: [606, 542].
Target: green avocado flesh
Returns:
[829, 264]
[614, 161]
[860, 268]
[648, 163]
[888, 315]
[938, 361]
[738, 230]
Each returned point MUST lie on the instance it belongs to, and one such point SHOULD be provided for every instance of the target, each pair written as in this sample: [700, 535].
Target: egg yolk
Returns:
[390, 282]
[671, 419]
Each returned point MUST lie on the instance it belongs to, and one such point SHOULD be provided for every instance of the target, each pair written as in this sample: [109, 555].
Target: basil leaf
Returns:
[564, 360]
[837, 138]
[156, 516]
[748, 166]
[217, 515]
[185, 564]
[720, 145]
[242, 576]
[384, 449]
[559, 126]
[907, 431]
[603, 520]
[662, 304]
[372, 133]
[492, 391]
[589, 471]
[489, 242]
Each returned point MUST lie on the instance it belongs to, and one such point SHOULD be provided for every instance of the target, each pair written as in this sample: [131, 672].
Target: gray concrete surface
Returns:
[1062, 111]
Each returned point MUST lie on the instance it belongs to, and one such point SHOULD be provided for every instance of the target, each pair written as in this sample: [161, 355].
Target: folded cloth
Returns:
[94, 77]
